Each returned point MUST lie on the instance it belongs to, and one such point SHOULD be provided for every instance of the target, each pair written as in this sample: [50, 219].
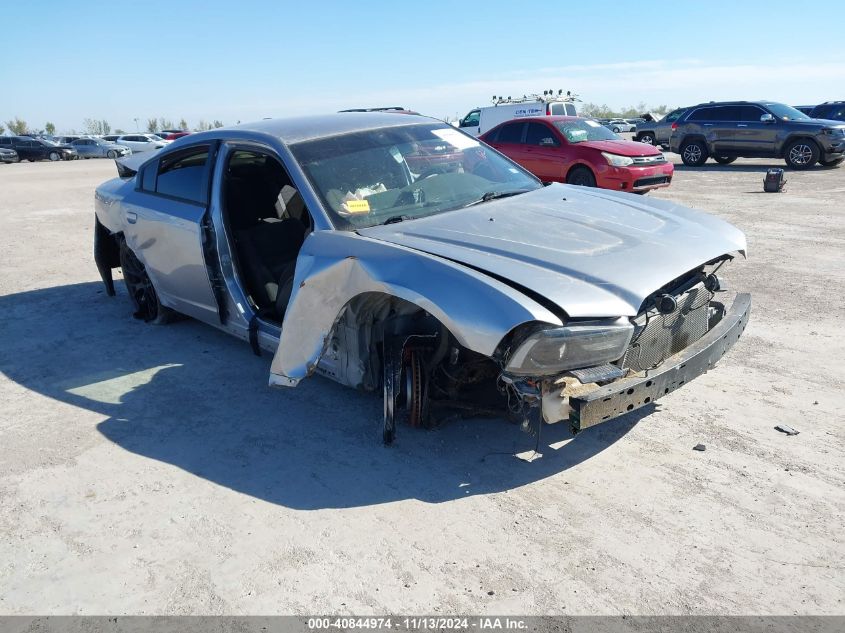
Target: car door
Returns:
[722, 128]
[134, 142]
[753, 136]
[164, 219]
[542, 154]
[508, 140]
[83, 147]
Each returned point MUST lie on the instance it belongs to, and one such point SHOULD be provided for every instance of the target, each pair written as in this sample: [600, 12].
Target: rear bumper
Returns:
[629, 394]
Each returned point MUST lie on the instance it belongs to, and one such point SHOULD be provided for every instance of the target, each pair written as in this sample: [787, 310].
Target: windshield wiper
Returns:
[495, 195]
[393, 219]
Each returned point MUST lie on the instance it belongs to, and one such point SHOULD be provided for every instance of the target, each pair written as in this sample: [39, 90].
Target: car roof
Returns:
[298, 129]
[722, 103]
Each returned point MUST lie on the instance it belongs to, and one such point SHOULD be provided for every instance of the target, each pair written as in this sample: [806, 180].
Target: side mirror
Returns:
[767, 118]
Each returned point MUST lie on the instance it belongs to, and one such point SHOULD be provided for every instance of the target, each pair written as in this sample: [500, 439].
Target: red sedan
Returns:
[581, 151]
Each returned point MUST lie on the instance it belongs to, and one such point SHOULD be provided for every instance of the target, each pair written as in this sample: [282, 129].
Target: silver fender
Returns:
[335, 267]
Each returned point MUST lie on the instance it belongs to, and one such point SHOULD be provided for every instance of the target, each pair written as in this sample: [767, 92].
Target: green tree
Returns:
[183, 124]
[50, 128]
[2, 129]
[152, 125]
[17, 126]
[119, 131]
[217, 123]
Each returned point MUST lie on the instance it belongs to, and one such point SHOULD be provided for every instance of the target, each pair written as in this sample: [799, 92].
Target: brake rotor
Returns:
[416, 396]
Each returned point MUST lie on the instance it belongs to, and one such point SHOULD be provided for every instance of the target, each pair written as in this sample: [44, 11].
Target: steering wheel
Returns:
[433, 171]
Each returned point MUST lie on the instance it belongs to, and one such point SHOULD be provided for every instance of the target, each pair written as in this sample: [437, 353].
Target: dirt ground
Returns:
[150, 470]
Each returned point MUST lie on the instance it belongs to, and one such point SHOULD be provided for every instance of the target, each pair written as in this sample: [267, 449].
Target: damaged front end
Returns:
[611, 368]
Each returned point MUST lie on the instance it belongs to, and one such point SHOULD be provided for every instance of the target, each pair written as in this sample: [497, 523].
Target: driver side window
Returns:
[472, 119]
[539, 134]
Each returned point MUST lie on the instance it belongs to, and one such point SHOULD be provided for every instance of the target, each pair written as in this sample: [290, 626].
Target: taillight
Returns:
[674, 126]
[548, 110]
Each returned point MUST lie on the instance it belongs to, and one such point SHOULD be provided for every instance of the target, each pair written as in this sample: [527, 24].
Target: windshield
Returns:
[585, 130]
[48, 142]
[403, 173]
[785, 112]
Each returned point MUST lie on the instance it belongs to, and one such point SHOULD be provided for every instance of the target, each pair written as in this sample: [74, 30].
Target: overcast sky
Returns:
[252, 59]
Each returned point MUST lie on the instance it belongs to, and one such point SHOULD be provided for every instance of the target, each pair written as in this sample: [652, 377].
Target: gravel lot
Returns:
[150, 470]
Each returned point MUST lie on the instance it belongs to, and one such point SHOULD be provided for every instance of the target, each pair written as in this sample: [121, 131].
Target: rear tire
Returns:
[694, 153]
[581, 176]
[724, 160]
[801, 154]
[141, 290]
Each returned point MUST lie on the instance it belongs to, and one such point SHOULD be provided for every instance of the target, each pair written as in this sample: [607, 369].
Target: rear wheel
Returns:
[694, 153]
[140, 288]
[581, 176]
[724, 160]
[801, 154]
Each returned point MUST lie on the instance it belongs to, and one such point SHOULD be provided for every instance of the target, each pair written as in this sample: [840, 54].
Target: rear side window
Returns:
[558, 108]
[726, 113]
[701, 114]
[184, 175]
[511, 133]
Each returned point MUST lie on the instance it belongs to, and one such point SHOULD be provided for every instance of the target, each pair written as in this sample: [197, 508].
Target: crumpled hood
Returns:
[621, 147]
[594, 253]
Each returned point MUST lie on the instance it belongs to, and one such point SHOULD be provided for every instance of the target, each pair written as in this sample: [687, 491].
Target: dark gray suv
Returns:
[756, 129]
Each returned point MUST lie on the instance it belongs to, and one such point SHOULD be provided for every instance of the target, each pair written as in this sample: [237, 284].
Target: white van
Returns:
[479, 120]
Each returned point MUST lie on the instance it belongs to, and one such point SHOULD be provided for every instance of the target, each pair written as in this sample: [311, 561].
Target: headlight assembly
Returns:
[618, 161]
[554, 350]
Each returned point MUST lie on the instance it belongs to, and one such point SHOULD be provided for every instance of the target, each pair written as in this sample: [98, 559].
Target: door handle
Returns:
[708, 125]
[741, 125]
[131, 217]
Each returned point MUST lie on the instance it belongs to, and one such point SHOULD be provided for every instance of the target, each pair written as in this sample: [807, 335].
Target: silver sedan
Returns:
[396, 254]
[98, 148]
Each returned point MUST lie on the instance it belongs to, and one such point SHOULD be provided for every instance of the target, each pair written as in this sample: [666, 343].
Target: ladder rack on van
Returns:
[548, 96]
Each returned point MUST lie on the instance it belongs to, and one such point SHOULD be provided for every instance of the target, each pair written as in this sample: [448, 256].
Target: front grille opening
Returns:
[658, 336]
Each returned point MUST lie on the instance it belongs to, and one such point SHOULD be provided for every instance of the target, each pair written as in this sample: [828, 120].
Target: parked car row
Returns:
[33, 149]
[71, 147]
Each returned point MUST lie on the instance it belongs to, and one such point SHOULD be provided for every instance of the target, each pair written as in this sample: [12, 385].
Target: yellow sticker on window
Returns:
[357, 206]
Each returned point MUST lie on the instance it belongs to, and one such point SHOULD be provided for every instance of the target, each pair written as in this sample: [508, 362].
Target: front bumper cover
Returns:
[629, 394]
